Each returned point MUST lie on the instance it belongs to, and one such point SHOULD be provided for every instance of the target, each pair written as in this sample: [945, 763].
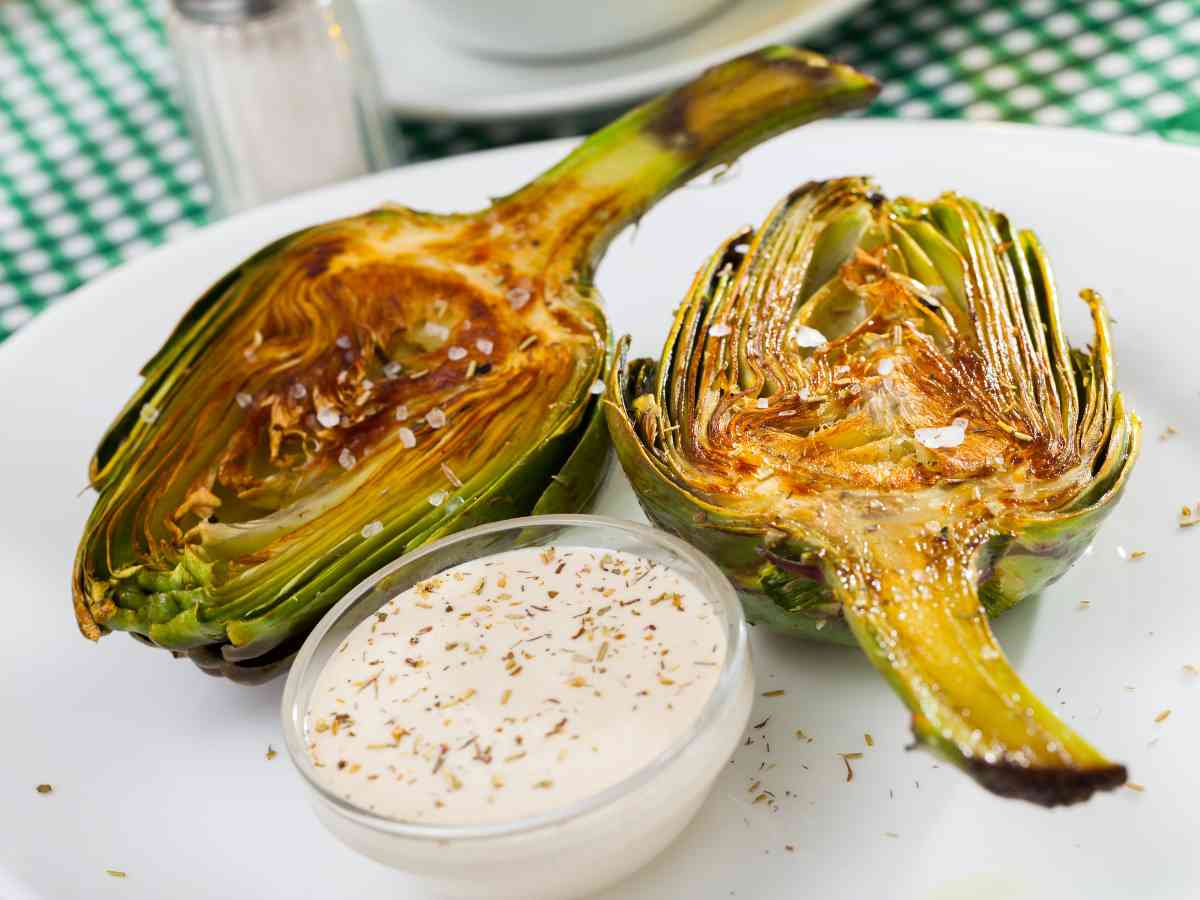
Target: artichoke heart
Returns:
[867, 412]
[363, 386]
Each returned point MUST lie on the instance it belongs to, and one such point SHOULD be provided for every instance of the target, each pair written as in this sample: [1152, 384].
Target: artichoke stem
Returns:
[618, 173]
[915, 609]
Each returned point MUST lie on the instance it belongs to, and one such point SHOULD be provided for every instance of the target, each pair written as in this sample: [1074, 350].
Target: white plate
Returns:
[158, 770]
[422, 76]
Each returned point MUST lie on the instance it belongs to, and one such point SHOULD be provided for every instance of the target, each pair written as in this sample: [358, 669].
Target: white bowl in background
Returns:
[554, 29]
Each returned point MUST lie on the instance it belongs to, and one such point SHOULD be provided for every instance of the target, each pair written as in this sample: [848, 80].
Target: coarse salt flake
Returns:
[148, 414]
[343, 342]
[437, 498]
[808, 337]
[372, 528]
[484, 346]
[719, 330]
[886, 366]
[346, 459]
[761, 402]
[951, 435]
[456, 353]
[401, 412]
[298, 391]
[328, 417]
[244, 400]
[518, 297]
[597, 387]
[436, 330]
[435, 417]
[407, 438]
[450, 476]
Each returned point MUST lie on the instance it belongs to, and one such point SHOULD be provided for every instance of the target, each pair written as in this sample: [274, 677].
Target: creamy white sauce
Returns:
[513, 685]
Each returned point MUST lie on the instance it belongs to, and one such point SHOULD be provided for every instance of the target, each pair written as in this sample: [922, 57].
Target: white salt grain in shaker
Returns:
[280, 95]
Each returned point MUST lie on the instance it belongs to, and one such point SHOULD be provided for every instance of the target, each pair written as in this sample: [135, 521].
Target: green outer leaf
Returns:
[771, 609]
[575, 486]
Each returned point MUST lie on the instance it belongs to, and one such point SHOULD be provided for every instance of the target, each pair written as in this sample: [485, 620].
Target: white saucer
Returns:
[423, 76]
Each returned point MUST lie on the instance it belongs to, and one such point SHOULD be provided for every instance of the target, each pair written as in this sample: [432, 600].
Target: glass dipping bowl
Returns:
[584, 846]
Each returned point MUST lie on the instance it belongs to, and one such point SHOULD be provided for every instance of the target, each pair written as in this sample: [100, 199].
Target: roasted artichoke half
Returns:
[363, 386]
[867, 412]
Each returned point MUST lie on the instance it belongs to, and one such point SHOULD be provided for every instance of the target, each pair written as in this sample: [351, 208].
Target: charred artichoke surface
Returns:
[363, 386]
[868, 413]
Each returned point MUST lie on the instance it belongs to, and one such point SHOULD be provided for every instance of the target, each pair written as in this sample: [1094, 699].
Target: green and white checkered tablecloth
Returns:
[96, 167]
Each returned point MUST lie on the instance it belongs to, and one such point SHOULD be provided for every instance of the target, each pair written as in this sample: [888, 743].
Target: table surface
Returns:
[96, 166]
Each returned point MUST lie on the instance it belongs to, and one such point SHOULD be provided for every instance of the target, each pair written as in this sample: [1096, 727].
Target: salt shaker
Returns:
[280, 95]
